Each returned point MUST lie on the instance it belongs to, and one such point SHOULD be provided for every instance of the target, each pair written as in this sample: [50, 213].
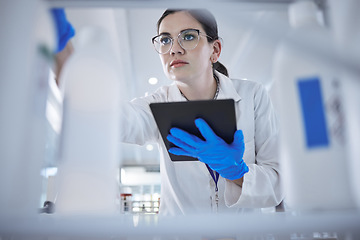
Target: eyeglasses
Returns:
[188, 40]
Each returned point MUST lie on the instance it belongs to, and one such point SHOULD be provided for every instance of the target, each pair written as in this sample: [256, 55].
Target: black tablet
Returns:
[219, 114]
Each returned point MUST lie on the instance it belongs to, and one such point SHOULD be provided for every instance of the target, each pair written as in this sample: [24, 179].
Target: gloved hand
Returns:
[64, 29]
[224, 158]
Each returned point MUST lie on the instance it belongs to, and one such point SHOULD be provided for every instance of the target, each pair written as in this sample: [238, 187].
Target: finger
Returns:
[216, 167]
[239, 136]
[186, 137]
[239, 139]
[179, 143]
[180, 152]
[205, 130]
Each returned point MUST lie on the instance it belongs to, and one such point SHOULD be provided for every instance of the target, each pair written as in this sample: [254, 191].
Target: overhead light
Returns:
[149, 147]
[153, 80]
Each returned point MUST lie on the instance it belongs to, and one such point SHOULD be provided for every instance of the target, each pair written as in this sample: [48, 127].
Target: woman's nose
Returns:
[176, 48]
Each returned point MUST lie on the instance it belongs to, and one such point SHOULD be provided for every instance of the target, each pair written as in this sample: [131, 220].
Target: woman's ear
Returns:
[216, 50]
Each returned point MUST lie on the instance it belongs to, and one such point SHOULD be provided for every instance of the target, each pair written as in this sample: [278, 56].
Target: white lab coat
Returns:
[187, 187]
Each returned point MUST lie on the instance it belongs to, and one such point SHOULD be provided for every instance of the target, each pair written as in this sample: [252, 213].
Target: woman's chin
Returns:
[178, 76]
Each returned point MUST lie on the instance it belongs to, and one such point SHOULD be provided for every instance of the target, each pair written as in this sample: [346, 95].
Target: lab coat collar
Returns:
[226, 91]
[174, 94]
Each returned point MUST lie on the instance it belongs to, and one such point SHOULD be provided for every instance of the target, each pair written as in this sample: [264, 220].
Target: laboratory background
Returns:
[306, 53]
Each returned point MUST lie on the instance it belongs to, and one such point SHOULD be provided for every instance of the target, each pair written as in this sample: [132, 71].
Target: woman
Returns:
[248, 173]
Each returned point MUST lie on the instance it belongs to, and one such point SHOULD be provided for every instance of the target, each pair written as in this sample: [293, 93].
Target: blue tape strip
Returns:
[313, 112]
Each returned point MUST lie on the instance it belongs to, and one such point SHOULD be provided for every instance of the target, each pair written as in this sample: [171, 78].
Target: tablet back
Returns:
[219, 114]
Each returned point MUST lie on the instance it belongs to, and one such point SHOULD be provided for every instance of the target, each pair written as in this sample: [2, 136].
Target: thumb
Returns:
[239, 138]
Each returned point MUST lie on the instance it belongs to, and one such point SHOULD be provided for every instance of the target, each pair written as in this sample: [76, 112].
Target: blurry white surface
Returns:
[244, 226]
[315, 176]
[24, 65]
[346, 30]
[89, 158]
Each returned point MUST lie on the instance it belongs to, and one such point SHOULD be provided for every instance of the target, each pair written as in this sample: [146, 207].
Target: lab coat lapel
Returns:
[227, 89]
[174, 94]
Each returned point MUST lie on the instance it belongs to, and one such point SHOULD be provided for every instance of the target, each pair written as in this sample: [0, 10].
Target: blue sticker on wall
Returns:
[312, 107]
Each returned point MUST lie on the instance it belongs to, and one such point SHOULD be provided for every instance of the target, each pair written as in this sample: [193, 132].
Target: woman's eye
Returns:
[165, 40]
[189, 37]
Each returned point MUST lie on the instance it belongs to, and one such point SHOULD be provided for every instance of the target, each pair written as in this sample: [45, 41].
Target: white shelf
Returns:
[215, 226]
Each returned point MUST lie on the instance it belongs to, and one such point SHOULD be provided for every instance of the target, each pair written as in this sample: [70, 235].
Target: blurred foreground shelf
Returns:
[345, 225]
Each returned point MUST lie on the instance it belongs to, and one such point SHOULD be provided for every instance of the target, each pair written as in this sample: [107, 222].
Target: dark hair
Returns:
[208, 23]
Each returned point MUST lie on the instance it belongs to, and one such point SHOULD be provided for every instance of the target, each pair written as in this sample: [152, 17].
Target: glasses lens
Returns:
[162, 43]
[189, 39]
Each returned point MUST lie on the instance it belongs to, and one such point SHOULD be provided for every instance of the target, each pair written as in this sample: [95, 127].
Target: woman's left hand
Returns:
[224, 158]
[64, 29]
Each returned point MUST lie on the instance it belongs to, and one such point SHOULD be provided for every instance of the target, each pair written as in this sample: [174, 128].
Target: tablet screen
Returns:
[219, 114]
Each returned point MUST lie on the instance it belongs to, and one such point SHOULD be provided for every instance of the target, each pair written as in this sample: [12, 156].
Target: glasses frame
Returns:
[177, 38]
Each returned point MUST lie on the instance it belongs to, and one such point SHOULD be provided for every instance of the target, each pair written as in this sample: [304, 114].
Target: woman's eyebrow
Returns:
[166, 33]
[188, 29]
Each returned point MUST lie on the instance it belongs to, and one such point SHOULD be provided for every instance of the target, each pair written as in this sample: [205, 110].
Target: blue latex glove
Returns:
[224, 158]
[64, 29]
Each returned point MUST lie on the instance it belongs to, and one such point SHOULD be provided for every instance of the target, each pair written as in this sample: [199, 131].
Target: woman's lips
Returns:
[177, 63]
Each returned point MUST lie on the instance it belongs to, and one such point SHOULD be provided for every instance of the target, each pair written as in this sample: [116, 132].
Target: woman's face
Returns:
[180, 64]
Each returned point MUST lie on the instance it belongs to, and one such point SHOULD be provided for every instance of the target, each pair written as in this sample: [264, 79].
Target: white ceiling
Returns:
[250, 32]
